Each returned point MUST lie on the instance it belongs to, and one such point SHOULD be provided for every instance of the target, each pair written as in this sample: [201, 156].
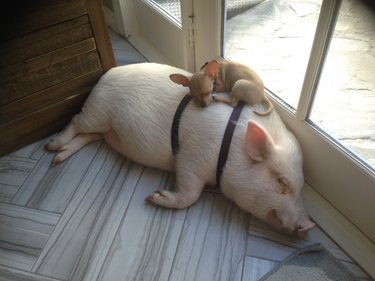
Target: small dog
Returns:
[238, 80]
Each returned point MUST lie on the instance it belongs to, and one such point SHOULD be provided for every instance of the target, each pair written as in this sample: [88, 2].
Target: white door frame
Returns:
[158, 36]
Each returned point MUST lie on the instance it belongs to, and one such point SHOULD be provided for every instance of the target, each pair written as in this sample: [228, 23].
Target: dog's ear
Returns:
[179, 79]
[212, 69]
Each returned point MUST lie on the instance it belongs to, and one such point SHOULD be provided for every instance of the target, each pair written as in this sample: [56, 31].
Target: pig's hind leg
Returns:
[83, 129]
[84, 122]
[62, 138]
[74, 145]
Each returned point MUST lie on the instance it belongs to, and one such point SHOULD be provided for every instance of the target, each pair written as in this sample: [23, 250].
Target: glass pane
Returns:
[274, 38]
[172, 7]
[344, 105]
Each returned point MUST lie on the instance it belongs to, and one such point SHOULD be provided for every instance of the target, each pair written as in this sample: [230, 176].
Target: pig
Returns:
[133, 107]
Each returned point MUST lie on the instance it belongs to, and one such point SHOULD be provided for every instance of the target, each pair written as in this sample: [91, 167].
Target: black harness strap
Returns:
[227, 138]
[176, 123]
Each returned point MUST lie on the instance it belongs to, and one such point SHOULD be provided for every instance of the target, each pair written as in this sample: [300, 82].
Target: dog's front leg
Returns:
[188, 190]
[232, 101]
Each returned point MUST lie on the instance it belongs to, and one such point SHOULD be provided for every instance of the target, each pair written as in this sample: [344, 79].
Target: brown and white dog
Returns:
[238, 80]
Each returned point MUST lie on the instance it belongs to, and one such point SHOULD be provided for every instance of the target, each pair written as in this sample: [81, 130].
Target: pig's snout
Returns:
[300, 226]
[304, 225]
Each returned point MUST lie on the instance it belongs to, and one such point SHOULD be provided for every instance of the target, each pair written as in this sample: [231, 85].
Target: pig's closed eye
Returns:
[283, 185]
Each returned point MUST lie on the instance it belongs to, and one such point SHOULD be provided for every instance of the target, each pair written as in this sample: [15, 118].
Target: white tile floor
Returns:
[86, 219]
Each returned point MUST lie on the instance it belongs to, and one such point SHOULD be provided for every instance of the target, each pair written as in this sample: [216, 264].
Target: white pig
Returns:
[133, 108]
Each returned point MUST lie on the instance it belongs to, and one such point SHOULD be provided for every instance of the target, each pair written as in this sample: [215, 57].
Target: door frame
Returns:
[154, 33]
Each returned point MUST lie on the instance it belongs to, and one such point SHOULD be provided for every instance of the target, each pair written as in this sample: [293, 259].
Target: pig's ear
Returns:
[258, 143]
[179, 79]
[212, 69]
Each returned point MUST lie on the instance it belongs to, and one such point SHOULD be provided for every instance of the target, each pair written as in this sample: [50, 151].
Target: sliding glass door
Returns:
[317, 60]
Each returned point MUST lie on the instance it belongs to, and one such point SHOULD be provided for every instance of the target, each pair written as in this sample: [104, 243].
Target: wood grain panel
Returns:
[27, 129]
[42, 34]
[33, 47]
[100, 33]
[24, 139]
[38, 14]
[46, 60]
[55, 54]
[48, 76]
[79, 85]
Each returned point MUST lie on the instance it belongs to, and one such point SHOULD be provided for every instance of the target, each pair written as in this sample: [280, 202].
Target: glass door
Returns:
[344, 102]
[160, 30]
[274, 38]
[317, 60]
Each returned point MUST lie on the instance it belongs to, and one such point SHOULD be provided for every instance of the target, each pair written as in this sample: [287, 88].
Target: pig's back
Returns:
[138, 103]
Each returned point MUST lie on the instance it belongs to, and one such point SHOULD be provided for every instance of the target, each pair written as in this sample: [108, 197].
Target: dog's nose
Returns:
[203, 104]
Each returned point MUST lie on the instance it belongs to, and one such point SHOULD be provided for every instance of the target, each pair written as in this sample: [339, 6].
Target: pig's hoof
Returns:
[56, 160]
[159, 197]
[52, 145]
[156, 195]
[61, 156]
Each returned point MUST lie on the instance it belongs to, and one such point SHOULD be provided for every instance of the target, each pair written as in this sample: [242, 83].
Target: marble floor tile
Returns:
[50, 188]
[12, 274]
[145, 244]
[256, 268]
[213, 241]
[23, 234]
[13, 172]
[108, 222]
[78, 222]
[32, 151]
[124, 52]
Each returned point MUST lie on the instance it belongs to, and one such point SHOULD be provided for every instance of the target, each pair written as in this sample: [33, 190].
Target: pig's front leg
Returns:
[188, 189]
